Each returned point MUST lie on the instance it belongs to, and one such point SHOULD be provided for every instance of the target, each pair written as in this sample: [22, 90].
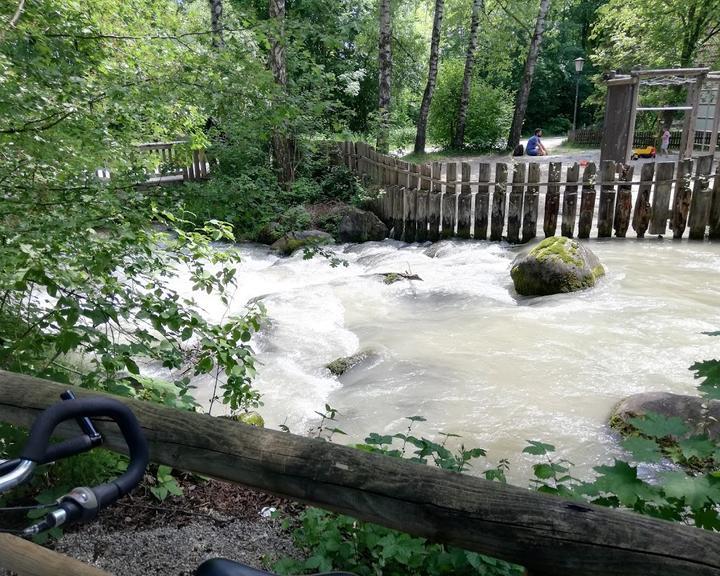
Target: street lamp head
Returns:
[579, 64]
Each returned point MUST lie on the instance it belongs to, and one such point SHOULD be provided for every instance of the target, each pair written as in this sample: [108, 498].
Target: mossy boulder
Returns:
[554, 266]
[249, 418]
[361, 226]
[700, 415]
[295, 240]
[339, 366]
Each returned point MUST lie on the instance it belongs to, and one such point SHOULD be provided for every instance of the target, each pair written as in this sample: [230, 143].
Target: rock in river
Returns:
[294, 240]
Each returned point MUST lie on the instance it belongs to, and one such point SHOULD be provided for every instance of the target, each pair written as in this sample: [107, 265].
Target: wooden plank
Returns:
[497, 218]
[641, 215]
[714, 232]
[421, 217]
[25, 558]
[701, 199]
[606, 206]
[414, 177]
[570, 201]
[398, 207]
[434, 208]
[410, 203]
[436, 176]
[661, 197]
[464, 202]
[449, 201]
[515, 203]
[545, 533]
[623, 204]
[681, 200]
[482, 202]
[531, 203]
[587, 201]
[552, 199]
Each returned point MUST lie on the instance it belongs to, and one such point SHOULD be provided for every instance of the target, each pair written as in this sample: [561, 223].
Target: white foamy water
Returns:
[462, 350]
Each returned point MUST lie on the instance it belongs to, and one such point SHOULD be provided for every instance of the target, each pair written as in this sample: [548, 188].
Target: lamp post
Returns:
[578, 68]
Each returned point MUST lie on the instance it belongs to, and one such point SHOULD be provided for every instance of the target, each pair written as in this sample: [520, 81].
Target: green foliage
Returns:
[165, 484]
[710, 371]
[489, 110]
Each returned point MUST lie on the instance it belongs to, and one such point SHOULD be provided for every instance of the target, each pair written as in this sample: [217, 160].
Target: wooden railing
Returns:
[547, 534]
[442, 200]
[592, 138]
[168, 166]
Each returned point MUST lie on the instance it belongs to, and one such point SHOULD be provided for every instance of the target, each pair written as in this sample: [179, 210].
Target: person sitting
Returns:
[534, 146]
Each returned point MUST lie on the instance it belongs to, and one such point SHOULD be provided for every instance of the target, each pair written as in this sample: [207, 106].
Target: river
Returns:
[462, 350]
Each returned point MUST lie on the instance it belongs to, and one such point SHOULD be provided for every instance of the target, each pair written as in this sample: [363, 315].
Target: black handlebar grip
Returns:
[37, 450]
[67, 448]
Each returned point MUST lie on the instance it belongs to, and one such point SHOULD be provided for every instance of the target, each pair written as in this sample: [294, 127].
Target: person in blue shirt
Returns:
[534, 146]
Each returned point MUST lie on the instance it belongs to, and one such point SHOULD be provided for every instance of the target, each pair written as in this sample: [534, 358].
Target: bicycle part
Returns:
[17, 475]
[86, 425]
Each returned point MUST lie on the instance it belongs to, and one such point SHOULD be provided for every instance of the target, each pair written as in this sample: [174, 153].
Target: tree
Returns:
[432, 77]
[385, 76]
[459, 136]
[521, 99]
[216, 22]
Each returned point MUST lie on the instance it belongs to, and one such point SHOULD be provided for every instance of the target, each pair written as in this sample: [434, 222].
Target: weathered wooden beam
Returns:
[714, 231]
[606, 205]
[587, 201]
[421, 216]
[623, 204]
[641, 215]
[482, 202]
[701, 198]
[410, 203]
[434, 205]
[661, 197]
[449, 201]
[24, 558]
[681, 200]
[464, 202]
[545, 533]
[531, 203]
[570, 201]
[552, 199]
[497, 221]
[515, 203]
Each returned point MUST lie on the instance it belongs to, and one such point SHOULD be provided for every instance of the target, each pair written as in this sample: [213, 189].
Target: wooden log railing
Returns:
[463, 208]
[168, 165]
[546, 534]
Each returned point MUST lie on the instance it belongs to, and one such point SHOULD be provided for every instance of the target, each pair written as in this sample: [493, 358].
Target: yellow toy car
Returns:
[645, 152]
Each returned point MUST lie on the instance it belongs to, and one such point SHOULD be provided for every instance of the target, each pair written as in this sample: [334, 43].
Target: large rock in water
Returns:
[294, 240]
[361, 226]
[702, 416]
[556, 265]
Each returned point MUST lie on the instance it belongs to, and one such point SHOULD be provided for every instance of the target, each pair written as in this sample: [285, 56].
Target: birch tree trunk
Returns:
[283, 144]
[216, 23]
[432, 77]
[523, 93]
[459, 136]
[385, 66]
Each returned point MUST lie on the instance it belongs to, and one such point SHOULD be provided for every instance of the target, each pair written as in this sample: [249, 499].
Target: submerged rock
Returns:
[556, 265]
[361, 226]
[250, 418]
[271, 232]
[702, 416]
[294, 240]
[341, 365]
[392, 277]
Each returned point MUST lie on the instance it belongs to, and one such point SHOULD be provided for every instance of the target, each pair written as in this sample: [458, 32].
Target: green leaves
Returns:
[658, 426]
[709, 370]
[538, 448]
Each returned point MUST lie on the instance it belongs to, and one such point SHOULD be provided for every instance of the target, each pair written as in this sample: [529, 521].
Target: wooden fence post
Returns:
[681, 201]
[570, 201]
[464, 202]
[587, 201]
[701, 198]
[497, 219]
[661, 197]
[552, 199]
[623, 205]
[421, 215]
[641, 215]
[448, 200]
[715, 208]
[531, 203]
[515, 203]
[410, 204]
[606, 206]
[434, 204]
[482, 202]
[398, 206]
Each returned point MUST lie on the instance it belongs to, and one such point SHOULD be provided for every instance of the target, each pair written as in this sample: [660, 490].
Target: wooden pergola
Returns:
[701, 108]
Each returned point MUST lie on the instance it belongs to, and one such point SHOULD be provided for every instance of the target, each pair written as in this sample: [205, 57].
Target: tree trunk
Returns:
[283, 144]
[385, 65]
[459, 137]
[432, 77]
[523, 93]
[216, 23]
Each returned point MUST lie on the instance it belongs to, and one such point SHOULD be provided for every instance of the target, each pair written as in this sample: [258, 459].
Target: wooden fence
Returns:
[512, 202]
[169, 166]
[548, 535]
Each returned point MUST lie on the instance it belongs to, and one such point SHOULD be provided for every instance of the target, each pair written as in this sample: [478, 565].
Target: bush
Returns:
[489, 111]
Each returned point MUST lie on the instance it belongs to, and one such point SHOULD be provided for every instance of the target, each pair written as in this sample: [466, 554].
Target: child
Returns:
[534, 146]
[665, 142]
